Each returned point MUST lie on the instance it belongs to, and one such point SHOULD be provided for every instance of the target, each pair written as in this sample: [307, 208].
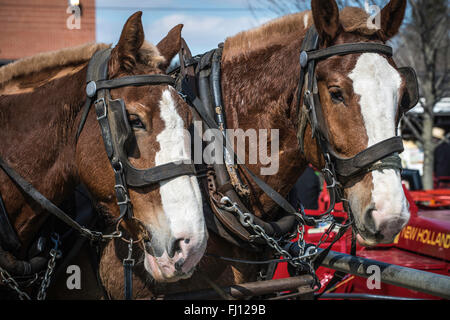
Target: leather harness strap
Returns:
[137, 80]
[45, 203]
[277, 228]
[343, 49]
[211, 123]
[366, 160]
[312, 112]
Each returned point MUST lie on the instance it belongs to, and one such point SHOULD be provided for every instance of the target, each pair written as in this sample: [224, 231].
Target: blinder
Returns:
[119, 124]
[411, 96]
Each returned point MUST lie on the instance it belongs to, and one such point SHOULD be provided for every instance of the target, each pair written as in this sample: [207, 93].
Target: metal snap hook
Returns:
[225, 200]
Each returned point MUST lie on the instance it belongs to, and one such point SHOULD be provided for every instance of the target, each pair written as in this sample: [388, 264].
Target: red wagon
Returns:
[424, 244]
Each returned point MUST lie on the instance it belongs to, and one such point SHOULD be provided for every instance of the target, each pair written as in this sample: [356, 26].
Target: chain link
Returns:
[8, 280]
[55, 253]
[247, 221]
[307, 254]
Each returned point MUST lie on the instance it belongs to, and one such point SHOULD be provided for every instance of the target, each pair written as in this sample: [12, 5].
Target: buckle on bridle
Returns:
[125, 193]
[119, 168]
[104, 115]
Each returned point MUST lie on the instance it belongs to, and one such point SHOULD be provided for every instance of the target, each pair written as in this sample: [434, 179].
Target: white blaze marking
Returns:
[378, 85]
[181, 197]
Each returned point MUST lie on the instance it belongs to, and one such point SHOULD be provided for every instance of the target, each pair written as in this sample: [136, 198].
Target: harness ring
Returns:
[129, 241]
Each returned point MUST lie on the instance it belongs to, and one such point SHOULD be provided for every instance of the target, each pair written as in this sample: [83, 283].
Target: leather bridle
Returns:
[338, 170]
[116, 131]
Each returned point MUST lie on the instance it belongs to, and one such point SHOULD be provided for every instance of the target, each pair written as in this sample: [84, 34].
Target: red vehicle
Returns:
[424, 244]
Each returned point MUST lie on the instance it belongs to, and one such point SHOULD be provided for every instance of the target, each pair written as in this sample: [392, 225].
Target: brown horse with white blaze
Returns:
[41, 101]
[360, 95]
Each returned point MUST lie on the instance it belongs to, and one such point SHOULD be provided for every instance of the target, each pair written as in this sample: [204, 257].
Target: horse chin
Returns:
[163, 270]
[365, 242]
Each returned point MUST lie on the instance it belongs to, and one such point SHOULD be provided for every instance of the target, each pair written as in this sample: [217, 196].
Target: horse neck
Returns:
[264, 98]
[40, 145]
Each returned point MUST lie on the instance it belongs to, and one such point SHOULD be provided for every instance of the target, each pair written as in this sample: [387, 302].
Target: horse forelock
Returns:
[355, 20]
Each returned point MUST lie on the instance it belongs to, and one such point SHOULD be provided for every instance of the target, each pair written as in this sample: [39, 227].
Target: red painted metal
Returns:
[432, 198]
[424, 244]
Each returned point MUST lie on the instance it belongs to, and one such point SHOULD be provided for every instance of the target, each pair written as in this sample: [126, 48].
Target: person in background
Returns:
[306, 190]
[441, 156]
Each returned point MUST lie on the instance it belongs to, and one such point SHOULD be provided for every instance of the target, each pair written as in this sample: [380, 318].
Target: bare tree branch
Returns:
[413, 129]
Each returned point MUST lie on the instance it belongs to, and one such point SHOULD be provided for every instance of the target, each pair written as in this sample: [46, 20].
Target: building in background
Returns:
[29, 27]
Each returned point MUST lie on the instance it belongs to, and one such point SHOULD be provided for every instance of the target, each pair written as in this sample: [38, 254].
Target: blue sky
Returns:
[203, 29]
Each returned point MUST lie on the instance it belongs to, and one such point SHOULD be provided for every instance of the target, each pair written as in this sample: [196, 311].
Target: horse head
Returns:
[170, 211]
[362, 96]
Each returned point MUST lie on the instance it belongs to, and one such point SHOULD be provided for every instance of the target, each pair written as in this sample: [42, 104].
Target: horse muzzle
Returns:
[175, 259]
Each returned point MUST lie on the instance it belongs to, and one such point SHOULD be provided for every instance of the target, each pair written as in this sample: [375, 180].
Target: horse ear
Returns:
[170, 45]
[123, 56]
[392, 17]
[326, 18]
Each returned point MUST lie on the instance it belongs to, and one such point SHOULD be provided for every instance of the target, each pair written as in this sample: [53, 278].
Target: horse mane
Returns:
[281, 30]
[148, 55]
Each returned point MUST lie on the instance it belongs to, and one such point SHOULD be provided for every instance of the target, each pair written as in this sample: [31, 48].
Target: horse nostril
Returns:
[369, 220]
[391, 227]
[176, 245]
[179, 264]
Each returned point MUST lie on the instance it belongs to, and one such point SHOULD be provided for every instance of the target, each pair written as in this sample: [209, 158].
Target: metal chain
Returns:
[54, 254]
[306, 255]
[246, 220]
[7, 279]
[48, 274]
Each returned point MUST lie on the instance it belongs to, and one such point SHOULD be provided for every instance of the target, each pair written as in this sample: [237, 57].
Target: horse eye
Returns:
[135, 122]
[336, 95]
